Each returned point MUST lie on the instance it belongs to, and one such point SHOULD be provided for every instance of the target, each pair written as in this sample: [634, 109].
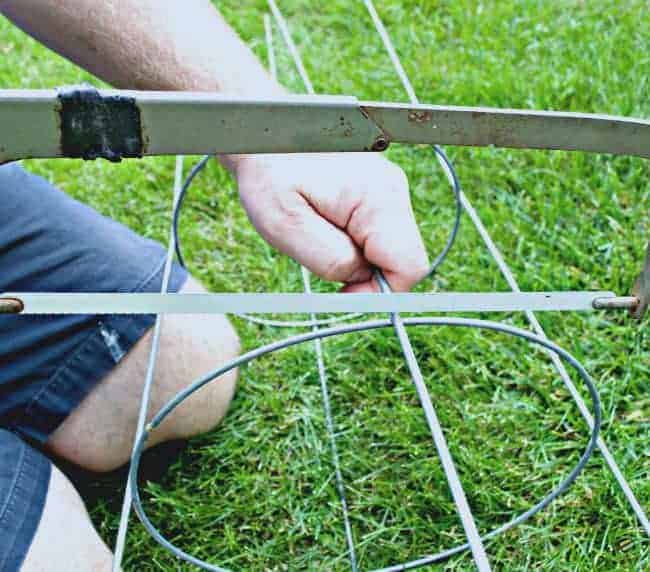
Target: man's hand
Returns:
[337, 214]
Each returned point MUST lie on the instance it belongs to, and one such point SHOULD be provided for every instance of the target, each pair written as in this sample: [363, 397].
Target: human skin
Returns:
[337, 214]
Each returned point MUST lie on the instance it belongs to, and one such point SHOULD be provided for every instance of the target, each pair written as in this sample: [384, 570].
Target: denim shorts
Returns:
[51, 243]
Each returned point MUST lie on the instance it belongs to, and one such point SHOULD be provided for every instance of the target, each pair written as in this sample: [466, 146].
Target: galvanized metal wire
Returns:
[475, 541]
[559, 357]
[508, 275]
[246, 358]
[118, 552]
[437, 434]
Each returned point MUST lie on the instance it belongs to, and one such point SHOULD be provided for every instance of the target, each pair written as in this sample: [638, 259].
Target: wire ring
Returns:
[358, 327]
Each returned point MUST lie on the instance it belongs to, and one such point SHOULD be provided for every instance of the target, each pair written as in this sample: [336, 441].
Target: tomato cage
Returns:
[86, 123]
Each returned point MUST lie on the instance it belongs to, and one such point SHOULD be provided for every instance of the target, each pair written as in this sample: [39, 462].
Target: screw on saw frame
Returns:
[380, 144]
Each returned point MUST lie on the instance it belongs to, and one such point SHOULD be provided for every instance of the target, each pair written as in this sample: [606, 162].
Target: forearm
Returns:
[147, 44]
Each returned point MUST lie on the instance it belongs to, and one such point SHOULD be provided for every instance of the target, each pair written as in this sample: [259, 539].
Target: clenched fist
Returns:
[337, 214]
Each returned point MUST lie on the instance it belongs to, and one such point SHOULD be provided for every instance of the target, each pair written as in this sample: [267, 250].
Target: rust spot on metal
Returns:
[346, 127]
[420, 116]
[11, 306]
[638, 310]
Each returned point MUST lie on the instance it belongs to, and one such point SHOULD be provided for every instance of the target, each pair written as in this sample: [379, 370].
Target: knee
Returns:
[98, 435]
[205, 409]
[198, 345]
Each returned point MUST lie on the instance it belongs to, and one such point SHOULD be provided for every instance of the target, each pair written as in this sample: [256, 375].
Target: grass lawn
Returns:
[258, 492]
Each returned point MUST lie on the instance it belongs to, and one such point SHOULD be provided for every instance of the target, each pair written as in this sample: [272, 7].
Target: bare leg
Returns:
[98, 435]
[65, 538]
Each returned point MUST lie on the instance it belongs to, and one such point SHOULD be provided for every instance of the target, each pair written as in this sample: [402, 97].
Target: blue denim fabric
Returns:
[24, 480]
[51, 243]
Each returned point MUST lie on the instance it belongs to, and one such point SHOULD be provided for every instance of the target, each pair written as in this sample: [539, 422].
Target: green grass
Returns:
[258, 492]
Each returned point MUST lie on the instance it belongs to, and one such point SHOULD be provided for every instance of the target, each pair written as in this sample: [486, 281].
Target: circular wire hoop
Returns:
[173, 403]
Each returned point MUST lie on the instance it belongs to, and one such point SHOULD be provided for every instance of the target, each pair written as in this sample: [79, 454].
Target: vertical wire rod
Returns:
[561, 369]
[455, 486]
[336, 461]
[506, 272]
[318, 345]
[270, 51]
[148, 384]
[471, 531]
